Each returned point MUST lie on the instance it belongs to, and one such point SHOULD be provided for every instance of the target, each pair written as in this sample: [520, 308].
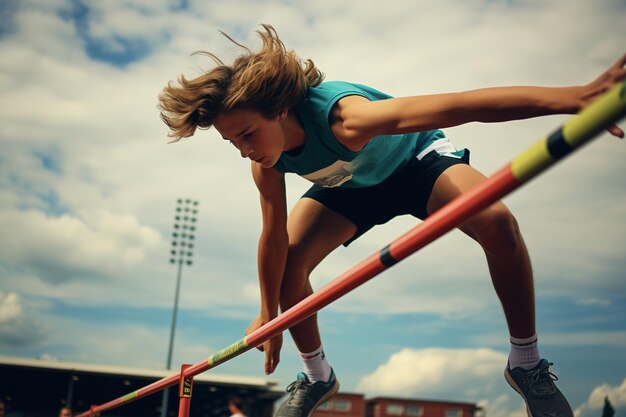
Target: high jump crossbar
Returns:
[575, 132]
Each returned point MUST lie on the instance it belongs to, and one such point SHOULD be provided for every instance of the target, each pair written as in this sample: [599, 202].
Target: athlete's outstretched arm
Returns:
[359, 120]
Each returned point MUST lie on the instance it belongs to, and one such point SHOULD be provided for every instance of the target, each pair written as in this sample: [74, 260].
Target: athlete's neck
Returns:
[294, 132]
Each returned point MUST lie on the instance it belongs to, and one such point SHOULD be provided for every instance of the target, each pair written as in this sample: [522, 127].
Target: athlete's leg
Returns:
[314, 232]
[496, 230]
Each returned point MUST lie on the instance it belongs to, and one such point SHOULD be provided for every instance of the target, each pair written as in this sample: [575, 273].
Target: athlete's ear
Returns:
[283, 114]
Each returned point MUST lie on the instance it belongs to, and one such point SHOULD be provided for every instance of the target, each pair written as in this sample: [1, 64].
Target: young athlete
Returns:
[371, 157]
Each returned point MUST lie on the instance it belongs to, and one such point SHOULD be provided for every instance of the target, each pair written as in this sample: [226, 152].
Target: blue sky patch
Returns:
[181, 6]
[53, 204]
[116, 50]
[49, 160]
[131, 50]
[7, 13]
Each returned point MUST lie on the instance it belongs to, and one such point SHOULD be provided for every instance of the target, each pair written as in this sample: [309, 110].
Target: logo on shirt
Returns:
[333, 175]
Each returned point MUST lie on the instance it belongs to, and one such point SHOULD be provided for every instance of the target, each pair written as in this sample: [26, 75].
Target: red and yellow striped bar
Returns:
[577, 131]
[574, 133]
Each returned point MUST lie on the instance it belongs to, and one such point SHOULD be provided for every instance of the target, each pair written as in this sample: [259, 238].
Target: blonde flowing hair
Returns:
[269, 81]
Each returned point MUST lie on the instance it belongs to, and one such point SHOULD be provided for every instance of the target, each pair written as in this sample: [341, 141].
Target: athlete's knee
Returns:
[295, 285]
[497, 228]
[293, 291]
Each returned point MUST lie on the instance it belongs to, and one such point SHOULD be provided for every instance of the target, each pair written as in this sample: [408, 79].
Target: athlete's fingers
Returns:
[269, 368]
[275, 359]
[616, 131]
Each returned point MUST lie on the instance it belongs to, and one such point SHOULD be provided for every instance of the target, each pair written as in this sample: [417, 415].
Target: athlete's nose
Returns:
[245, 150]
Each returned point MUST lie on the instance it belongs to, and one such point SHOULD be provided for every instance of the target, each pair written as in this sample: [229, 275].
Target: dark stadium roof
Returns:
[41, 386]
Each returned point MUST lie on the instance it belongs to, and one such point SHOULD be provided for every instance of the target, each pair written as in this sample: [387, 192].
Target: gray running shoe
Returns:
[305, 397]
[537, 388]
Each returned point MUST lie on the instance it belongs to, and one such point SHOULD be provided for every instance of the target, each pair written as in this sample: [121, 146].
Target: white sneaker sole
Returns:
[513, 385]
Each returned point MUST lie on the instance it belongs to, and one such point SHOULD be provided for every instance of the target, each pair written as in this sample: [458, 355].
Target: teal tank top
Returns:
[326, 162]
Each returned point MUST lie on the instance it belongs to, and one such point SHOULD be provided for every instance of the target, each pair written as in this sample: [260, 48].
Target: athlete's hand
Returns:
[615, 74]
[271, 347]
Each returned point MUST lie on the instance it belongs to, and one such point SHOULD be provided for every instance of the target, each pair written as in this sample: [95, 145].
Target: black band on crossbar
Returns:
[386, 258]
[557, 146]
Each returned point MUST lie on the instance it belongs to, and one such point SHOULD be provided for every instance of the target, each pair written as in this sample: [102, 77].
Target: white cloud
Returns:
[591, 301]
[503, 406]
[432, 372]
[67, 247]
[10, 307]
[17, 327]
[473, 375]
[594, 405]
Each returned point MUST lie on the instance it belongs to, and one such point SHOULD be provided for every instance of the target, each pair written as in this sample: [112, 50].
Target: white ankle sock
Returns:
[524, 353]
[316, 367]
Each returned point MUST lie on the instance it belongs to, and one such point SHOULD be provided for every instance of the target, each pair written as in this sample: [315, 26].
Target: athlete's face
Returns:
[260, 139]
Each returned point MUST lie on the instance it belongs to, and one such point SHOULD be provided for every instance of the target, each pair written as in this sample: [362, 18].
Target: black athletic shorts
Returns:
[405, 192]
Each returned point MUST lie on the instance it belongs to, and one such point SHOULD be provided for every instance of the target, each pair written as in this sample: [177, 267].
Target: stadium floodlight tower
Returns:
[181, 253]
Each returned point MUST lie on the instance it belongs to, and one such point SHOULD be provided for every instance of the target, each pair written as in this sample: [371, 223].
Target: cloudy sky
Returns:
[88, 190]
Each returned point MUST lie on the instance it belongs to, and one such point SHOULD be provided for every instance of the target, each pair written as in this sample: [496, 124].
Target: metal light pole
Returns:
[181, 253]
